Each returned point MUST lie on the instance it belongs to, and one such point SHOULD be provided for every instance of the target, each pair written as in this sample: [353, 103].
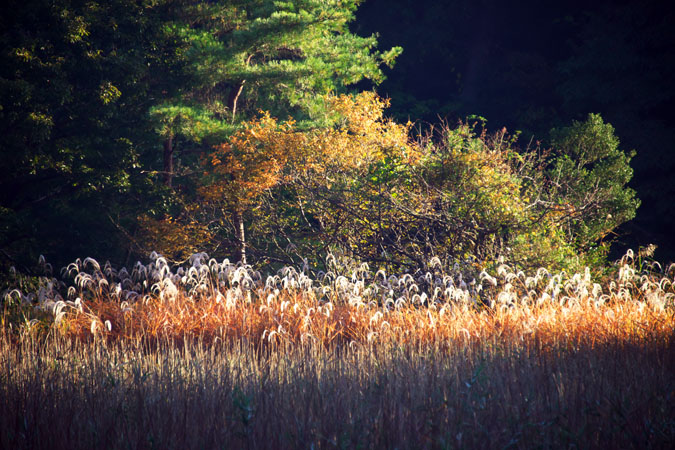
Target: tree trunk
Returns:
[234, 97]
[241, 235]
[168, 161]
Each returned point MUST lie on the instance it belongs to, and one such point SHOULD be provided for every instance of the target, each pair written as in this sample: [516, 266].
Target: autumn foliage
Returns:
[368, 187]
[266, 152]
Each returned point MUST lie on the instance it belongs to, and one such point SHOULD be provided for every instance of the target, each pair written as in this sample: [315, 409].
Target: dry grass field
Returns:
[218, 355]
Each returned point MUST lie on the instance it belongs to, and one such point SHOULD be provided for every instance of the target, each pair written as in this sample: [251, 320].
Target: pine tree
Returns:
[242, 57]
[247, 56]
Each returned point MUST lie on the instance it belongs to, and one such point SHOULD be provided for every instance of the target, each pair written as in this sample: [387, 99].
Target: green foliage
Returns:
[589, 176]
[242, 57]
[459, 195]
[90, 92]
[129, 127]
[75, 80]
[620, 65]
[238, 58]
[556, 62]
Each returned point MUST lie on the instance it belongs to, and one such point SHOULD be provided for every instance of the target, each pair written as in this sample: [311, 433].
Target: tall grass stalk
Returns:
[521, 391]
[361, 360]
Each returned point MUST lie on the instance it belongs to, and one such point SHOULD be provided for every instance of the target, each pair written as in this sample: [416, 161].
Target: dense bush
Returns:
[479, 197]
[364, 188]
[589, 174]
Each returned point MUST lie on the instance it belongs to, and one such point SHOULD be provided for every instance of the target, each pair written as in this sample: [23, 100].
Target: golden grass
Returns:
[352, 306]
[297, 319]
[215, 355]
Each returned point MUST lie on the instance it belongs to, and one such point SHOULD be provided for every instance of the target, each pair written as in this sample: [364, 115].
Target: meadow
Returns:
[218, 355]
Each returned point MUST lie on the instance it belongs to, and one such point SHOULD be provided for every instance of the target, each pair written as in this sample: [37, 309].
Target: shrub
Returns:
[589, 175]
[362, 187]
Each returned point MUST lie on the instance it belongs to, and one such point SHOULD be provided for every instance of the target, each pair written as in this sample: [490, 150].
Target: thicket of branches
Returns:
[364, 188]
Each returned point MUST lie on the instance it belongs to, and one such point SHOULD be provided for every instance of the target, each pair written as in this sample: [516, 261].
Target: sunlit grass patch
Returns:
[216, 354]
[348, 304]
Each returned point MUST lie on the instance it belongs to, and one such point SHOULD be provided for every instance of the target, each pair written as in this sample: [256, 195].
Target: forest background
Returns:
[129, 127]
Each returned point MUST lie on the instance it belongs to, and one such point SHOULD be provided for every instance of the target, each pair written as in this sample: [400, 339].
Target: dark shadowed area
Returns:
[532, 66]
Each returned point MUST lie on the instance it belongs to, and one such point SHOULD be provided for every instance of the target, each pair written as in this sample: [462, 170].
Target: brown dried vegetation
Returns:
[216, 355]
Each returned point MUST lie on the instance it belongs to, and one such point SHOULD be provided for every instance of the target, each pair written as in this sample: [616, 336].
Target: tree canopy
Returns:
[104, 104]
[237, 127]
